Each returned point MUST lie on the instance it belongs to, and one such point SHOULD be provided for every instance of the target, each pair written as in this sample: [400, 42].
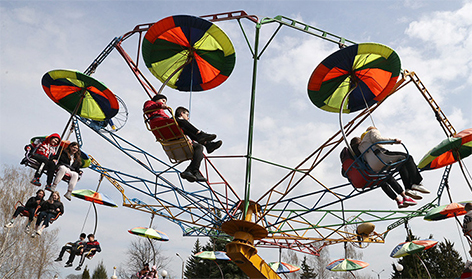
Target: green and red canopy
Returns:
[202, 51]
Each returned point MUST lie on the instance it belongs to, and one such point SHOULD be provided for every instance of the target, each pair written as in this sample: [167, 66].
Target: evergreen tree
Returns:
[306, 272]
[442, 261]
[194, 267]
[100, 272]
[86, 274]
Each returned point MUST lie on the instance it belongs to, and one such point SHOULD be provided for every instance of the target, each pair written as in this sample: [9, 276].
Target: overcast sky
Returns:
[432, 38]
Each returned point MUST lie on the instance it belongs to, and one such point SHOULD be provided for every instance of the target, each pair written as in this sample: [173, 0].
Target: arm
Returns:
[376, 137]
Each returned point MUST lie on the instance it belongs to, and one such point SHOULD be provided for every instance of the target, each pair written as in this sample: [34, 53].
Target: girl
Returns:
[48, 210]
[69, 163]
[43, 154]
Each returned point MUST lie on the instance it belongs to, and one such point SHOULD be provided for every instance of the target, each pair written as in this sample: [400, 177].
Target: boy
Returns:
[91, 247]
[73, 247]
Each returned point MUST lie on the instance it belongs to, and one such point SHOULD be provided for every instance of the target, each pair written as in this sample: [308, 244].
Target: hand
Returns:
[398, 141]
[55, 161]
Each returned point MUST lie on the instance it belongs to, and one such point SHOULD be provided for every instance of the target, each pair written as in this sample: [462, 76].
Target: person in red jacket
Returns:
[44, 151]
[91, 247]
[154, 110]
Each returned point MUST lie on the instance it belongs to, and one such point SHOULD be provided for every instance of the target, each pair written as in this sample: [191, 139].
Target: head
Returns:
[154, 268]
[370, 128]
[159, 98]
[182, 112]
[40, 194]
[54, 197]
[468, 206]
[146, 266]
[82, 236]
[91, 237]
[73, 148]
[54, 139]
[355, 141]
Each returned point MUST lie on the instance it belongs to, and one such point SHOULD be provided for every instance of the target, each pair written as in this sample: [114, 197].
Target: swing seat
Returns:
[173, 140]
[25, 212]
[29, 161]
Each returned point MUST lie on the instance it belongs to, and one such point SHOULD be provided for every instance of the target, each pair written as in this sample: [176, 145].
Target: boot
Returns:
[187, 174]
[212, 146]
[203, 137]
[199, 177]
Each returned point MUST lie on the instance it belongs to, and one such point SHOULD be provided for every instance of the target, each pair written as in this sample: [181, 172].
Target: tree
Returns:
[291, 257]
[100, 272]
[306, 272]
[141, 251]
[442, 261]
[20, 255]
[86, 273]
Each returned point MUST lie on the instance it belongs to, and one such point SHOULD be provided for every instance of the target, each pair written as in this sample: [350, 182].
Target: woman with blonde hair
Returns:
[49, 210]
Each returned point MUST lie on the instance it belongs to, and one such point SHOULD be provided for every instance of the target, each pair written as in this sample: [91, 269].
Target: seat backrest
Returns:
[178, 150]
[351, 169]
[166, 129]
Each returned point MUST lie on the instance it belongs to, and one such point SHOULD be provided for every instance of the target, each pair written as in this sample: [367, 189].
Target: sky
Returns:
[432, 38]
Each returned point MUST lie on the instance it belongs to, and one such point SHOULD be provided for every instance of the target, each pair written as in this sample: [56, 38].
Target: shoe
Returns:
[33, 235]
[78, 268]
[409, 201]
[9, 225]
[203, 137]
[212, 146]
[188, 176]
[68, 196]
[39, 232]
[27, 229]
[68, 265]
[59, 259]
[400, 204]
[49, 188]
[420, 188]
[199, 177]
[413, 194]
[35, 181]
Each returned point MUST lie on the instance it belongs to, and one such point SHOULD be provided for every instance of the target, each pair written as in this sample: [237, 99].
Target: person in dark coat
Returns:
[30, 206]
[49, 209]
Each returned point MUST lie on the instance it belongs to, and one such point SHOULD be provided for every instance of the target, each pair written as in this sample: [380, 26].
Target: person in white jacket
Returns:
[378, 157]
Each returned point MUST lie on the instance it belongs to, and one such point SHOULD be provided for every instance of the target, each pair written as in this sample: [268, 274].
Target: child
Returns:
[44, 151]
[91, 247]
[73, 247]
[154, 109]
[30, 206]
[467, 226]
[69, 163]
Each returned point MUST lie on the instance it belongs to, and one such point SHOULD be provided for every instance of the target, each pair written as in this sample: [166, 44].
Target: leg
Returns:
[74, 177]
[193, 133]
[192, 170]
[61, 170]
[18, 210]
[42, 160]
[51, 168]
[63, 250]
[388, 190]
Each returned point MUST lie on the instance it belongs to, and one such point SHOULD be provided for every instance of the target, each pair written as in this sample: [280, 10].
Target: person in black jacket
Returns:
[91, 247]
[69, 162]
[30, 206]
[73, 248]
[49, 209]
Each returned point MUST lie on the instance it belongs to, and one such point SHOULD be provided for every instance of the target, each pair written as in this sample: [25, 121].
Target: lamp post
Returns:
[182, 264]
[378, 273]
[164, 274]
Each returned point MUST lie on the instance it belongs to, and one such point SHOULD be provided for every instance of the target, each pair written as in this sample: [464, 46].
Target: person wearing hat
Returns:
[154, 110]
[44, 150]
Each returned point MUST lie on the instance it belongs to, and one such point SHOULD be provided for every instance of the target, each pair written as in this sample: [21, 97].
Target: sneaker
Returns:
[212, 146]
[203, 137]
[33, 235]
[420, 188]
[68, 196]
[27, 229]
[400, 204]
[9, 225]
[413, 194]
[68, 265]
[188, 176]
[199, 177]
[78, 268]
[49, 188]
[39, 232]
[35, 181]
[408, 201]
[59, 259]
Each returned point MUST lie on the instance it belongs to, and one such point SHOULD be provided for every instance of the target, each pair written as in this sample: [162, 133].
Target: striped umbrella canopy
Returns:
[80, 94]
[448, 151]
[446, 211]
[346, 265]
[95, 197]
[190, 53]
[412, 247]
[367, 72]
[212, 255]
[149, 233]
[281, 267]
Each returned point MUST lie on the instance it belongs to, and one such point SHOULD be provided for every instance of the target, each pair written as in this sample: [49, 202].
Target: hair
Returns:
[91, 235]
[83, 235]
[468, 206]
[355, 141]
[50, 200]
[157, 97]
[69, 151]
[40, 190]
[370, 128]
[179, 111]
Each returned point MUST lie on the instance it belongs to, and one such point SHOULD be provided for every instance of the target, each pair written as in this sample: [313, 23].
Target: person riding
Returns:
[390, 186]
[43, 154]
[30, 207]
[467, 225]
[72, 247]
[91, 247]
[48, 210]
[154, 110]
[377, 157]
[69, 163]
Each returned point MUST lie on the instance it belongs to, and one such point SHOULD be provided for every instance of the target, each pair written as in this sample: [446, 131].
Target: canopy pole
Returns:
[341, 119]
[96, 218]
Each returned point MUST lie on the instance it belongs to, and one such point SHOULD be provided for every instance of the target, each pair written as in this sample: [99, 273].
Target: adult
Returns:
[69, 163]
[72, 247]
[31, 205]
[49, 210]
